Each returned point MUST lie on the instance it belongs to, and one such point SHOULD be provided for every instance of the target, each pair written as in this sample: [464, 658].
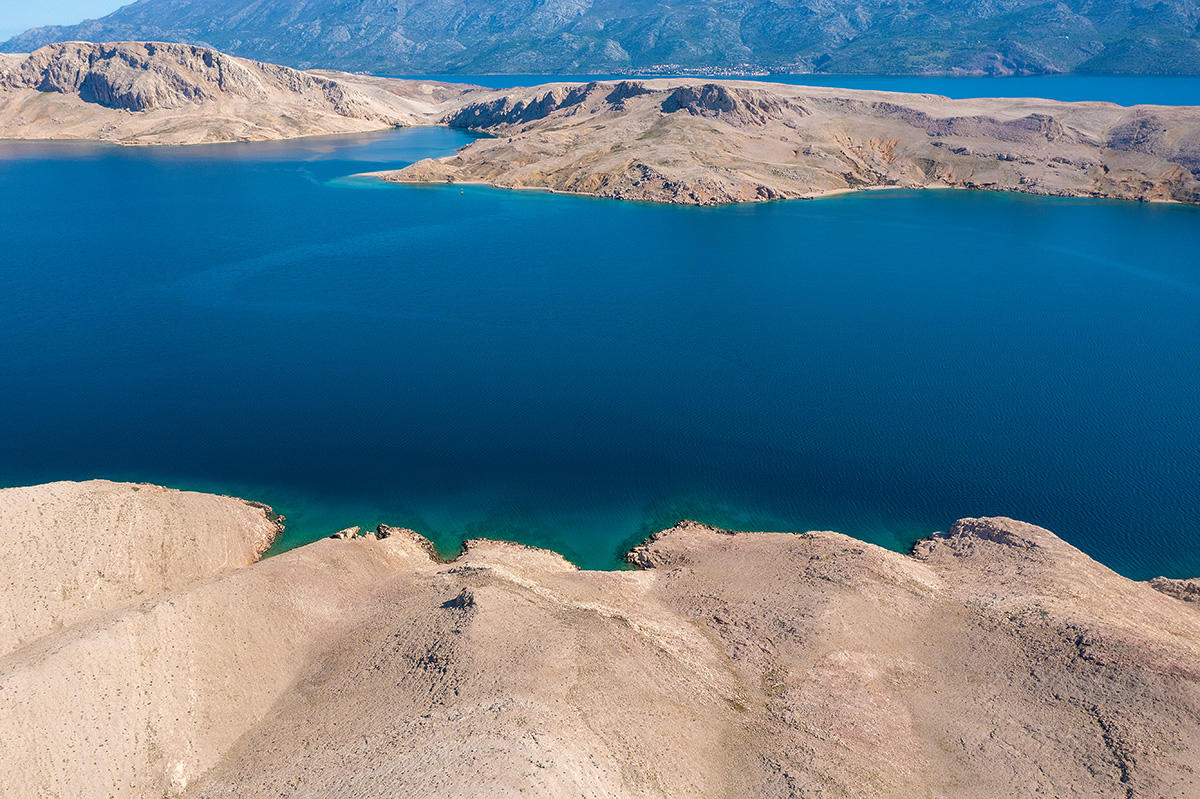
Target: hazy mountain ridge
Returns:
[546, 36]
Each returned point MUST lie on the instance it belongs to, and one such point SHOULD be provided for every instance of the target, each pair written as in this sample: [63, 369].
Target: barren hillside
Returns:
[993, 661]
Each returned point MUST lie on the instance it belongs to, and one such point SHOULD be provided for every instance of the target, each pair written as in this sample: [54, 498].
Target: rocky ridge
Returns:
[157, 93]
[706, 143]
[993, 661]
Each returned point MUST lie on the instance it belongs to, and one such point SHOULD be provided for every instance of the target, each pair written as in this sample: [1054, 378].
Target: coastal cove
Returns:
[578, 373]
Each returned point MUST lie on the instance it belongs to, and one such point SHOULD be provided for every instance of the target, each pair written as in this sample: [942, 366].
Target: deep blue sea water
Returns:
[1173, 90]
[577, 373]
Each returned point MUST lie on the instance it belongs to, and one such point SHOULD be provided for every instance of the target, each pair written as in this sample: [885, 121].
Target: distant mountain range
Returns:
[573, 36]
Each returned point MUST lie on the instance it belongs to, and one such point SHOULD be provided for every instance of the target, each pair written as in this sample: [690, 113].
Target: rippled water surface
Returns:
[577, 373]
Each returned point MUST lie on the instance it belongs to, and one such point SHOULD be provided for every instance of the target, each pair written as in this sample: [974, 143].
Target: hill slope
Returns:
[153, 93]
[994, 661]
[572, 36]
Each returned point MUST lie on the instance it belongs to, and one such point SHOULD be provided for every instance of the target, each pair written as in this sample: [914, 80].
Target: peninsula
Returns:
[670, 140]
[143, 652]
[705, 143]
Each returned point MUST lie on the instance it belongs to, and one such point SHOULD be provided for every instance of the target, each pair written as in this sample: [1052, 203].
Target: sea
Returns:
[578, 373]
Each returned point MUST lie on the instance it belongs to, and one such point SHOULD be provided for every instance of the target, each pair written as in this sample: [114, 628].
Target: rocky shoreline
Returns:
[994, 660]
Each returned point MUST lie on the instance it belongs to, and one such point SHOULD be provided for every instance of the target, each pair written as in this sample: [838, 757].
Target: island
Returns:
[672, 140]
[701, 142]
[146, 651]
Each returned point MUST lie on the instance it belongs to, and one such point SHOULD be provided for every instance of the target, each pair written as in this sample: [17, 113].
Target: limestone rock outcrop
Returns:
[672, 141]
[1185, 590]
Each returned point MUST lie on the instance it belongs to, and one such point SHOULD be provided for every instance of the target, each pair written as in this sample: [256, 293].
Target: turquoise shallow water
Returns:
[577, 373]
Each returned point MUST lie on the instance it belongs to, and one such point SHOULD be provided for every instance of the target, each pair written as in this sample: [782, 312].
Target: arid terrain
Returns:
[671, 140]
[704, 143]
[154, 93]
[145, 654]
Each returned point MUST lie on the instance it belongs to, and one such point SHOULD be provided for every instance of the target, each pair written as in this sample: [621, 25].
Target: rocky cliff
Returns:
[993, 661]
[155, 93]
[706, 143]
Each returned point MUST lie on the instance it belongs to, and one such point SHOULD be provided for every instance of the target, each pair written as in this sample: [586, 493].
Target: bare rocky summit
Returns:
[1187, 590]
[994, 661]
[155, 93]
[705, 143]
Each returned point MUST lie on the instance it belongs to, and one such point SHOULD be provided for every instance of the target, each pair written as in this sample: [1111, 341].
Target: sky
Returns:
[20, 15]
